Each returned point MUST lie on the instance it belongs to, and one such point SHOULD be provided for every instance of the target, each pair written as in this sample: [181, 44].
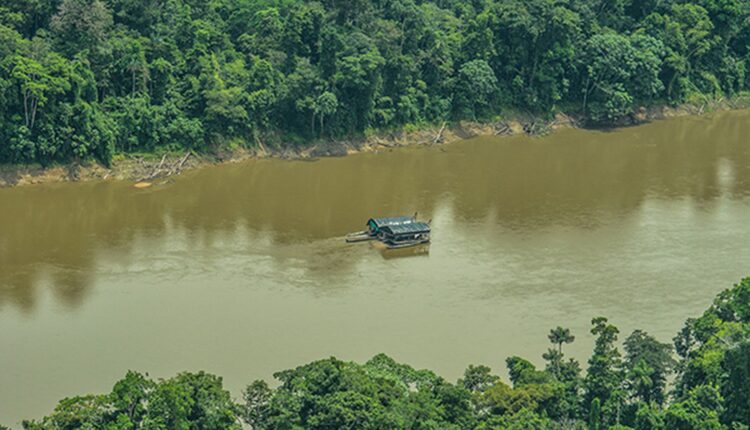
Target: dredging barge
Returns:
[394, 232]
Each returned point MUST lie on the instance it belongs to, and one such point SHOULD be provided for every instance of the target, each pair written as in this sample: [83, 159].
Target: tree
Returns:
[38, 82]
[648, 363]
[595, 415]
[130, 395]
[704, 341]
[559, 336]
[476, 86]
[325, 106]
[735, 385]
[227, 106]
[620, 72]
[525, 419]
[81, 24]
[74, 413]
[478, 378]
[535, 50]
[700, 411]
[202, 75]
[192, 400]
[648, 417]
[604, 377]
[358, 80]
[686, 33]
[522, 372]
[684, 345]
[384, 394]
[566, 372]
[257, 404]
[188, 401]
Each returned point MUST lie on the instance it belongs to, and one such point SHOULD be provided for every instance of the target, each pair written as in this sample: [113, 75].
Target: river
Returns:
[241, 269]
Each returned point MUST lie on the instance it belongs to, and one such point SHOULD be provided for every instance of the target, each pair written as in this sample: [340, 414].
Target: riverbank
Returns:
[144, 170]
[642, 224]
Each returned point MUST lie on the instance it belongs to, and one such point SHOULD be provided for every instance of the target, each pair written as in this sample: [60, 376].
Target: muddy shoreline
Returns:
[144, 171]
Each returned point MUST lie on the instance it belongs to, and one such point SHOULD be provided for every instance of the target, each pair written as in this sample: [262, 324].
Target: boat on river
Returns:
[394, 232]
[375, 225]
[405, 235]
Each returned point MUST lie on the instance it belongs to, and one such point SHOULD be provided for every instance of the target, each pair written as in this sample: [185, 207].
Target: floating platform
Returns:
[407, 244]
[359, 236]
[394, 232]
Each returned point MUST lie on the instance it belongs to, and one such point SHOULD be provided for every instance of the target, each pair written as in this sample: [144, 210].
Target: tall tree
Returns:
[649, 364]
[735, 385]
[476, 87]
[81, 24]
[604, 377]
[559, 336]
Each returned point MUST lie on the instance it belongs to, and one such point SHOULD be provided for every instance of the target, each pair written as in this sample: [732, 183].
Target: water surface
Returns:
[241, 270]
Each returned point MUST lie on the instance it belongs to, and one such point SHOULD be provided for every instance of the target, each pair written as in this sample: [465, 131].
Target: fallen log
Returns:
[156, 171]
[440, 134]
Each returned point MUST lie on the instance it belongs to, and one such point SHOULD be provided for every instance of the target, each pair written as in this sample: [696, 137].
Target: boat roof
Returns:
[414, 227]
[391, 221]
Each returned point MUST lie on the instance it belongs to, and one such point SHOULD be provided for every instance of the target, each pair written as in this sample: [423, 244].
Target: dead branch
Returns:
[439, 136]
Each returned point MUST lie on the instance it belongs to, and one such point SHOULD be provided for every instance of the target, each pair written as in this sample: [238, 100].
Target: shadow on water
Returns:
[59, 234]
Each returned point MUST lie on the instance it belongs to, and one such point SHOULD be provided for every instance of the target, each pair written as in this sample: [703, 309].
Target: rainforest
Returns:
[706, 386]
[553, 289]
[93, 79]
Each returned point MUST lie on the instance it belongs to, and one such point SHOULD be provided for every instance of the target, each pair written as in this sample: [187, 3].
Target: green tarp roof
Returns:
[398, 220]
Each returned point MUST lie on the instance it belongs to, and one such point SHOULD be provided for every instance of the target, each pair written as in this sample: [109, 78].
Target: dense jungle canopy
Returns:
[701, 382]
[82, 79]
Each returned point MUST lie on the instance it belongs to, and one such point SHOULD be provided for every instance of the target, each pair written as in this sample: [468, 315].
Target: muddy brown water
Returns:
[241, 270]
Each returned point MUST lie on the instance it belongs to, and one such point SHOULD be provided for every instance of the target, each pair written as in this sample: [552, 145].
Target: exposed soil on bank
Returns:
[144, 172]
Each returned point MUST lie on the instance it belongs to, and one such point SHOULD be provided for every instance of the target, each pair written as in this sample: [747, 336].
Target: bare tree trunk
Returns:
[34, 106]
[670, 86]
[403, 37]
[440, 134]
[26, 107]
[586, 94]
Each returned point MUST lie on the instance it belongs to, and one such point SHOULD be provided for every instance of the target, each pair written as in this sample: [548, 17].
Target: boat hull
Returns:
[407, 244]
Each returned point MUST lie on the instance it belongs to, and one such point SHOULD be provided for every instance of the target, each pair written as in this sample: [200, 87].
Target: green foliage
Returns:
[735, 384]
[595, 415]
[563, 371]
[648, 417]
[648, 362]
[615, 394]
[604, 378]
[330, 394]
[80, 25]
[188, 401]
[699, 411]
[478, 379]
[621, 71]
[476, 86]
[84, 78]
[560, 336]
[703, 342]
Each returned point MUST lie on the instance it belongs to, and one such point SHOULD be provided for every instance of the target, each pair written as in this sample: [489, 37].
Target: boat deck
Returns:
[394, 232]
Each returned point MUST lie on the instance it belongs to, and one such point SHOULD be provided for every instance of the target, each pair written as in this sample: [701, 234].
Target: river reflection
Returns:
[578, 179]
[242, 269]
